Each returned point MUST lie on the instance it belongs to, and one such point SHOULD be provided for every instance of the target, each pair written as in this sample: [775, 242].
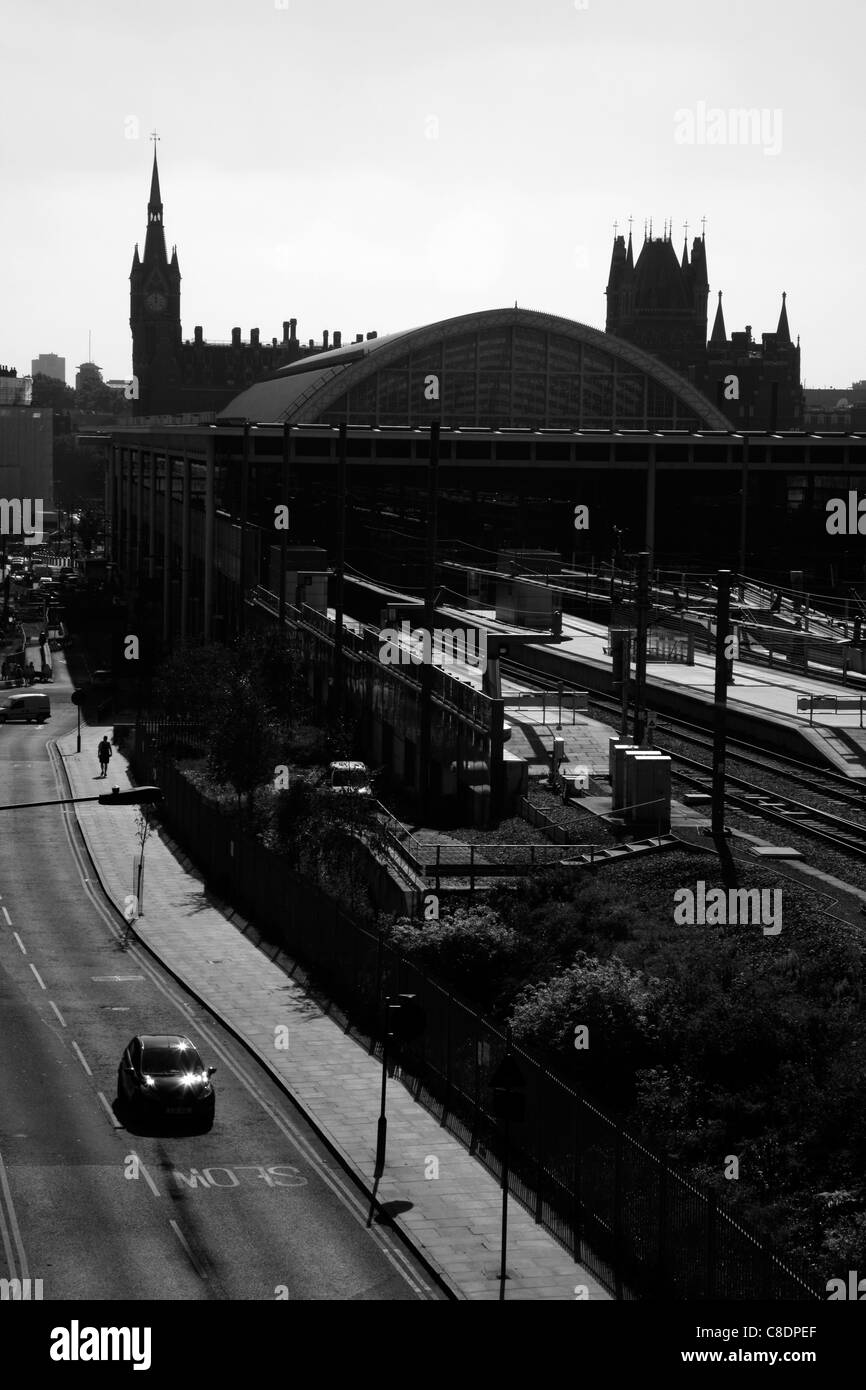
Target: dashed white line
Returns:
[144, 1173]
[38, 976]
[6, 915]
[192, 1259]
[20, 943]
[81, 1057]
[58, 1013]
[111, 1115]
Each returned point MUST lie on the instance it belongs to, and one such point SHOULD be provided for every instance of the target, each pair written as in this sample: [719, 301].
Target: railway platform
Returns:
[802, 715]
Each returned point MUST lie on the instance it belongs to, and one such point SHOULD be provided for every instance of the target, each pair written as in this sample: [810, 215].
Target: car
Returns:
[350, 777]
[162, 1075]
[26, 709]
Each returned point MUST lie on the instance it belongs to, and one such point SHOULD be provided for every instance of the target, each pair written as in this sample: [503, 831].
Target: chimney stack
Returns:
[372, 335]
[338, 338]
[285, 330]
[359, 337]
[254, 337]
[236, 337]
[325, 340]
[198, 334]
[293, 323]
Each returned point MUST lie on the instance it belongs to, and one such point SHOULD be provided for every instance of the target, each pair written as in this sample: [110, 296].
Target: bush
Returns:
[471, 949]
[613, 1002]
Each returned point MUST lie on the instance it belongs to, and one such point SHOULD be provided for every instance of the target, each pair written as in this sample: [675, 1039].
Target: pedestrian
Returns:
[31, 673]
[104, 753]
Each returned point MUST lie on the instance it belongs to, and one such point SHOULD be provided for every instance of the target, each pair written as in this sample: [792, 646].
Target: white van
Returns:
[26, 709]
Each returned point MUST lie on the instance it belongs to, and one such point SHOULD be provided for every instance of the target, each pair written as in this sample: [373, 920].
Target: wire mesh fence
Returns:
[642, 1228]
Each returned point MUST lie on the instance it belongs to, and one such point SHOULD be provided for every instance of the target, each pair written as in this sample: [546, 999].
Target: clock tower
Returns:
[154, 315]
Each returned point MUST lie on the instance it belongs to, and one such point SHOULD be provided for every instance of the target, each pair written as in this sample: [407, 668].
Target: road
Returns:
[256, 1209]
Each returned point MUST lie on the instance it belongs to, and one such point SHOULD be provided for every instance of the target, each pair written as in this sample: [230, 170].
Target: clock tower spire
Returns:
[154, 317]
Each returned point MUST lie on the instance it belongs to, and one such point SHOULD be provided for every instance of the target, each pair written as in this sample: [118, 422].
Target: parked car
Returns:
[26, 709]
[162, 1074]
[350, 777]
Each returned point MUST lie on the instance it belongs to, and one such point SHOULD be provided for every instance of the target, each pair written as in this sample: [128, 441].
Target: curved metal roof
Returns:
[306, 389]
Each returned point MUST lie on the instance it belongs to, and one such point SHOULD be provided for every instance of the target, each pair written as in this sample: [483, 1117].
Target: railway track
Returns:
[815, 822]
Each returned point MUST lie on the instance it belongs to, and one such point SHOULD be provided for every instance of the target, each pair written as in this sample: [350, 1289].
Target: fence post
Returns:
[438, 854]
[663, 1219]
[617, 1211]
[446, 1105]
[710, 1255]
[476, 1099]
[576, 1210]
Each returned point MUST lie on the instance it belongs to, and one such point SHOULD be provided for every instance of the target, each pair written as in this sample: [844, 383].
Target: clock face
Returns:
[156, 302]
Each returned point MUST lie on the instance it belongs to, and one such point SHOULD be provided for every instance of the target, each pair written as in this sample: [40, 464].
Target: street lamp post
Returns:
[135, 796]
[508, 1086]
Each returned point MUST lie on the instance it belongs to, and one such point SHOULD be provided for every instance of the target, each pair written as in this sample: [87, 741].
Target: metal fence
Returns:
[642, 1228]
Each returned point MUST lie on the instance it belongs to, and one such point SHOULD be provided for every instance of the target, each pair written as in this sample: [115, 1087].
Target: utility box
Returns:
[648, 791]
[616, 756]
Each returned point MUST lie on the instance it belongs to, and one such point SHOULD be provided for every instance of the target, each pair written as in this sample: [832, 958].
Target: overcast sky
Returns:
[385, 164]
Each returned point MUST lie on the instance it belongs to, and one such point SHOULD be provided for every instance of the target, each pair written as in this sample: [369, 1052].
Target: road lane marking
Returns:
[102, 978]
[145, 1174]
[111, 1115]
[332, 1177]
[38, 976]
[81, 1057]
[20, 943]
[192, 1259]
[8, 918]
[6, 1191]
[58, 1013]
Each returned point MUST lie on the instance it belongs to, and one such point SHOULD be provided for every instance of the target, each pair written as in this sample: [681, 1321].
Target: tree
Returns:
[94, 396]
[471, 949]
[49, 393]
[244, 741]
[193, 682]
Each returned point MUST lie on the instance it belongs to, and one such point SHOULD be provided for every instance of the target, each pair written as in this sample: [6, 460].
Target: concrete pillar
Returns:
[139, 515]
[185, 546]
[209, 528]
[128, 562]
[168, 474]
[649, 541]
[151, 519]
[111, 501]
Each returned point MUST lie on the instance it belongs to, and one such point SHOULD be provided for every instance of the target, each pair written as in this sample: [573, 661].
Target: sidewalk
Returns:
[452, 1222]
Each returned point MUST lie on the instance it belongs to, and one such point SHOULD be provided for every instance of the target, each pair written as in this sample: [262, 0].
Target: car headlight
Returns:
[148, 1080]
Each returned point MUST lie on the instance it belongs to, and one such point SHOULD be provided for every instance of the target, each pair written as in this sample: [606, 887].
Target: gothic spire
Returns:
[783, 332]
[719, 337]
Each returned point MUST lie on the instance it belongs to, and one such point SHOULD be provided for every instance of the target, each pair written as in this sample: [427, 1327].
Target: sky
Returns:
[386, 164]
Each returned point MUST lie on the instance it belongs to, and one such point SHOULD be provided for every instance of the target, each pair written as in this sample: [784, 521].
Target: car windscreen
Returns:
[349, 777]
[168, 1061]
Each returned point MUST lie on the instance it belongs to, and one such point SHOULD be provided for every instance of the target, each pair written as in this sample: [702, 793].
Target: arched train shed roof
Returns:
[500, 367]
